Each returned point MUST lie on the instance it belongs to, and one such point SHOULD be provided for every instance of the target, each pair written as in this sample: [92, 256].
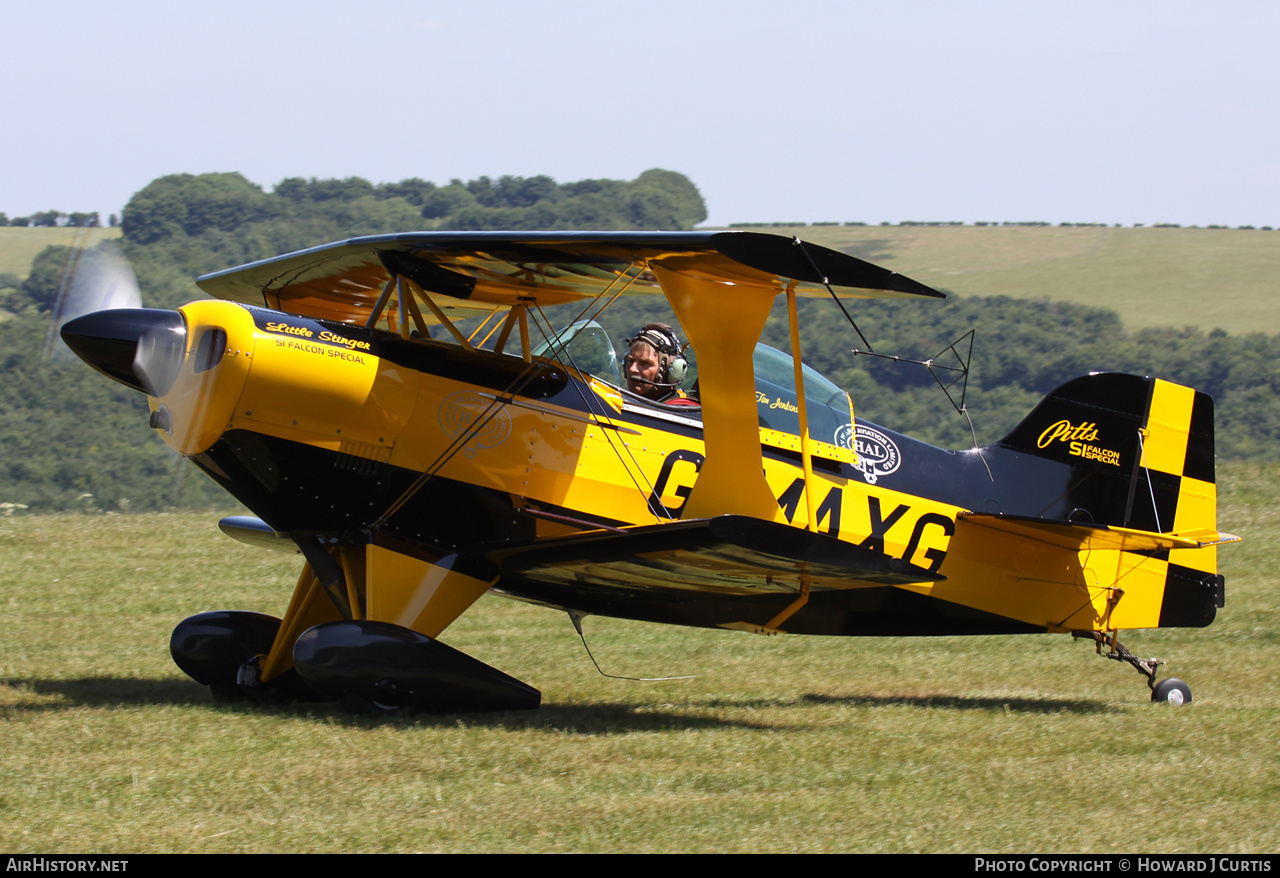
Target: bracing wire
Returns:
[934, 367]
[577, 618]
[518, 383]
[827, 283]
[594, 405]
[1142, 452]
[932, 364]
[634, 471]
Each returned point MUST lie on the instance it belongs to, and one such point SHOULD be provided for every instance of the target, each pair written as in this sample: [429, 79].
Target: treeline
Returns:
[56, 219]
[190, 206]
[180, 226]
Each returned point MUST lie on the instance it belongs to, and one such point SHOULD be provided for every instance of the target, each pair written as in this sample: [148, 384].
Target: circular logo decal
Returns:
[844, 436]
[485, 423]
[878, 455]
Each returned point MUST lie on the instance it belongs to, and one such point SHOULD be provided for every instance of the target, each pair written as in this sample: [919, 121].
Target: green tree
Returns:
[412, 190]
[680, 198]
[47, 272]
[446, 200]
[186, 204]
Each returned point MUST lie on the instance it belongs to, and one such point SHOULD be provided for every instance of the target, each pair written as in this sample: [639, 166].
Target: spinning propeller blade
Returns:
[99, 315]
[97, 279]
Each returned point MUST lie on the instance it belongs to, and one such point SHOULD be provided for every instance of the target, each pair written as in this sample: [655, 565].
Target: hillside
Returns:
[20, 244]
[1208, 278]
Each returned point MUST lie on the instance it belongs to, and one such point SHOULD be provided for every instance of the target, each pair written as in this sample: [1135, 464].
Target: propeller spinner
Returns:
[142, 348]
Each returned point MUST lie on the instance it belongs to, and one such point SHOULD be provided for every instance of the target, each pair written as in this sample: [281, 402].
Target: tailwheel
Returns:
[222, 650]
[1169, 691]
[380, 669]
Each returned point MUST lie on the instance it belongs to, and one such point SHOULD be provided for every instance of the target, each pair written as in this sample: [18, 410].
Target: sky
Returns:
[1118, 112]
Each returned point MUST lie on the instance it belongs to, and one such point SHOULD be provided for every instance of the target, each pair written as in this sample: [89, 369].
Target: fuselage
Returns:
[354, 434]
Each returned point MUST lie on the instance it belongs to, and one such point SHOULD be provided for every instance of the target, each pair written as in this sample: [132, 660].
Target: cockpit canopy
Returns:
[586, 346]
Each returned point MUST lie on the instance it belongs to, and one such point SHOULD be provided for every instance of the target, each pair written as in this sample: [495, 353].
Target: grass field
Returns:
[1154, 277]
[1018, 744]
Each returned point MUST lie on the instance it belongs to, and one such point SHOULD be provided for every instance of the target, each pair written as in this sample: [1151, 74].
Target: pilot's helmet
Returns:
[672, 365]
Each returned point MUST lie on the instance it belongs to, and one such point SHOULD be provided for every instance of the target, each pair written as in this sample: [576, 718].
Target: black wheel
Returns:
[1171, 691]
[211, 647]
[359, 705]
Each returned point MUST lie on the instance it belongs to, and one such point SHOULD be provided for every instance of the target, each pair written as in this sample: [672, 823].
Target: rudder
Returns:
[1140, 450]
[1140, 453]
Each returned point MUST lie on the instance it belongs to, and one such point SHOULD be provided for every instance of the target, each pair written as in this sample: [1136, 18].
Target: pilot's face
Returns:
[642, 366]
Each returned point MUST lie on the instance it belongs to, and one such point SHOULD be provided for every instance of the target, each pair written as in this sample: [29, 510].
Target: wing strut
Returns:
[806, 455]
[414, 289]
[724, 321]
[806, 579]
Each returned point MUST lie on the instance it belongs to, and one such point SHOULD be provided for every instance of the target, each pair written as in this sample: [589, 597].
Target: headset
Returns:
[672, 365]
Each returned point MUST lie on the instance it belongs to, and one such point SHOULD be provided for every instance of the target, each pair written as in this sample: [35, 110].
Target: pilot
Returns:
[655, 365]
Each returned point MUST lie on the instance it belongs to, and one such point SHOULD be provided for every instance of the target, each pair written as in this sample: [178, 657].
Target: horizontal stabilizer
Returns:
[1076, 534]
[732, 554]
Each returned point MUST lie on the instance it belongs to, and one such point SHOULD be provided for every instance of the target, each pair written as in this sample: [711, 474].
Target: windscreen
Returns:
[585, 346]
[827, 406]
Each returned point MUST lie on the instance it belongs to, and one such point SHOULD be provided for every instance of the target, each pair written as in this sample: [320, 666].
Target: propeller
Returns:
[98, 314]
[97, 279]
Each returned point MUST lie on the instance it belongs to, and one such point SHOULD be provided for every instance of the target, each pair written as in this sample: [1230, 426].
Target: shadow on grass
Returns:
[49, 695]
[949, 702]
[581, 718]
[58, 694]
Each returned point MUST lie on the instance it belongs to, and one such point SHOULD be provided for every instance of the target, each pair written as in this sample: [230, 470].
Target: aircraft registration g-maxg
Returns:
[416, 473]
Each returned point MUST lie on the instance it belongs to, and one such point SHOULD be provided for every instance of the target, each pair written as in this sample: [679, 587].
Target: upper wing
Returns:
[478, 272]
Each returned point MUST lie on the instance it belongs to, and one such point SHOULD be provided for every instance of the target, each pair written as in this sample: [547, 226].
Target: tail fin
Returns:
[1140, 451]
[1140, 455]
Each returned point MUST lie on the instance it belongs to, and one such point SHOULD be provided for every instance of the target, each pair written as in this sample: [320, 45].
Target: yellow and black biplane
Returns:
[416, 466]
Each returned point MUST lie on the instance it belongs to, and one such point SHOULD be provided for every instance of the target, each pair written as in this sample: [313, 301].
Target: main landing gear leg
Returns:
[1170, 691]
